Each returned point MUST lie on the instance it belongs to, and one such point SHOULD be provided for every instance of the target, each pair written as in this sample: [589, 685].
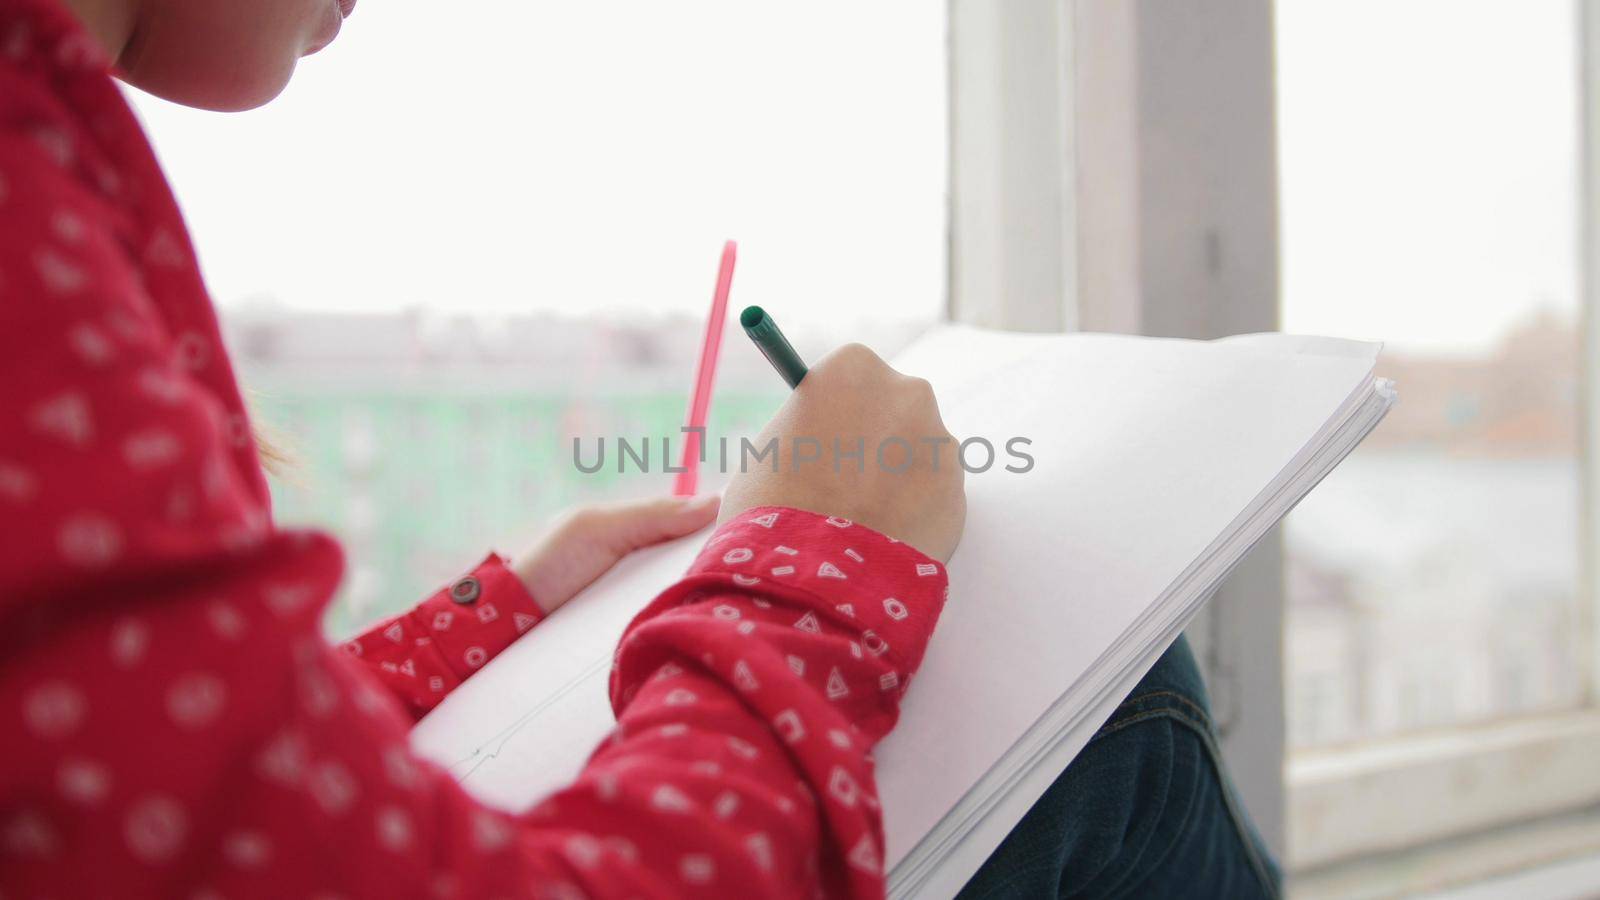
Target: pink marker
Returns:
[706, 375]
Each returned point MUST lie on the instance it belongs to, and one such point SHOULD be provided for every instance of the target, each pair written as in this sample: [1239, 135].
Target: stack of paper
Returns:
[1157, 464]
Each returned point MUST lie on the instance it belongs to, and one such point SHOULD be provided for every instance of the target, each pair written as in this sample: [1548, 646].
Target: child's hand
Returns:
[587, 542]
[914, 491]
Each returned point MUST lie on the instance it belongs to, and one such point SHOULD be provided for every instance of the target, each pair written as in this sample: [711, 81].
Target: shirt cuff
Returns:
[838, 575]
[478, 615]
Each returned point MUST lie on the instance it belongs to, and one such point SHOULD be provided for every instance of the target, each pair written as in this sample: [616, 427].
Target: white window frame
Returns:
[1588, 32]
[1113, 168]
[1075, 133]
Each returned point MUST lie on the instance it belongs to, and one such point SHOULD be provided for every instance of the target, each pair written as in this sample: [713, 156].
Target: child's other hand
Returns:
[914, 491]
[586, 542]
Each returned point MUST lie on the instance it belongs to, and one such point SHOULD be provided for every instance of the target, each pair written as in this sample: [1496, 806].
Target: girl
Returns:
[175, 725]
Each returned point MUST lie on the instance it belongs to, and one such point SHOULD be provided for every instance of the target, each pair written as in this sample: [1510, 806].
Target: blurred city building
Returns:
[421, 440]
[1433, 577]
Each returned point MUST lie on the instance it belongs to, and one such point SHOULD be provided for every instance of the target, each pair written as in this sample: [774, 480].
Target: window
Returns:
[1430, 199]
[458, 241]
[1430, 188]
[437, 266]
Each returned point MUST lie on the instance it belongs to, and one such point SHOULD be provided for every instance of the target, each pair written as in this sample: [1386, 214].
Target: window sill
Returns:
[1556, 856]
[1383, 797]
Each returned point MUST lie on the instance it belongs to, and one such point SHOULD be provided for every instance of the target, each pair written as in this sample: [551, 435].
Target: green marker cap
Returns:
[772, 344]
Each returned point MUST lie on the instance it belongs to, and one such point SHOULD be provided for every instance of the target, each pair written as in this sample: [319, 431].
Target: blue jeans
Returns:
[1146, 810]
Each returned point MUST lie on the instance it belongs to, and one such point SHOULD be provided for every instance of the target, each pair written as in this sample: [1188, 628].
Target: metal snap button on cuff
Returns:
[465, 590]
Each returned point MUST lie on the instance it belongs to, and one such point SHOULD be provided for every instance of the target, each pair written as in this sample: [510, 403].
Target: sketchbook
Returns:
[1157, 465]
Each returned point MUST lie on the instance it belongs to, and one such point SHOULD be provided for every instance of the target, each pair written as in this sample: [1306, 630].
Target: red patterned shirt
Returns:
[174, 724]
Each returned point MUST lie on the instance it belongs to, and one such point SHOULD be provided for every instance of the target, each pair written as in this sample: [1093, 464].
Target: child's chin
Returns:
[233, 91]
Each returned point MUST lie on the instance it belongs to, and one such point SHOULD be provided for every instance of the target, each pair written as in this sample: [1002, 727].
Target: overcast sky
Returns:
[507, 156]
[517, 156]
[1429, 153]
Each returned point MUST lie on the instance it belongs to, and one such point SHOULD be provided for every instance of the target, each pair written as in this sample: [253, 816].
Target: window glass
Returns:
[1429, 199]
[465, 236]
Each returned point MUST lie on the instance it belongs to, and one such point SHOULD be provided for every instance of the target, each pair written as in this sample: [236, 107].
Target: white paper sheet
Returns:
[1149, 454]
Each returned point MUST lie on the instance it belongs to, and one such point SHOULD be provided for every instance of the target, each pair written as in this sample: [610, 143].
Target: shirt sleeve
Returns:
[776, 665]
[750, 696]
[423, 654]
